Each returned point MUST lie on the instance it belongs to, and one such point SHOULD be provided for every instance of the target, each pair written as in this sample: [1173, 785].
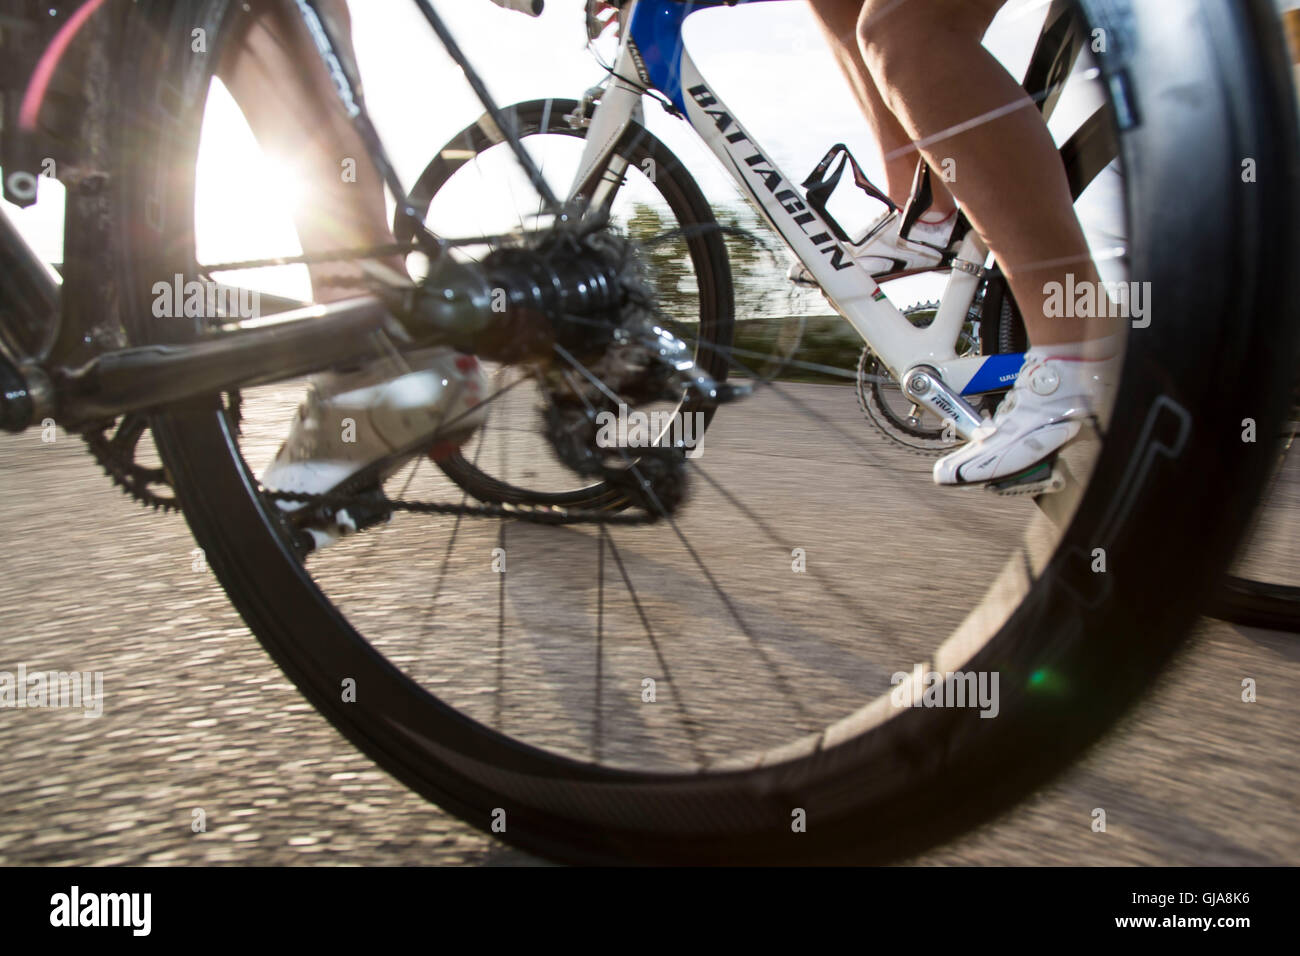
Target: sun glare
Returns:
[244, 202]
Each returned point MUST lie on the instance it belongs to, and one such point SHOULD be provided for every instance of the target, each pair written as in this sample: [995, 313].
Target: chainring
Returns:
[903, 422]
[115, 446]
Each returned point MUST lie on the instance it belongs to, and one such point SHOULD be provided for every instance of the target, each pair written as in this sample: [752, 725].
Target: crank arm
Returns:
[925, 386]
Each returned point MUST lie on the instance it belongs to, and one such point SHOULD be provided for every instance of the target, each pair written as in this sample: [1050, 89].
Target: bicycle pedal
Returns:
[316, 529]
[1042, 479]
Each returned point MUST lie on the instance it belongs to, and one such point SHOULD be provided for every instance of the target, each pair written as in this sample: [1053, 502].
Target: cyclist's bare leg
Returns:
[839, 22]
[927, 59]
[276, 76]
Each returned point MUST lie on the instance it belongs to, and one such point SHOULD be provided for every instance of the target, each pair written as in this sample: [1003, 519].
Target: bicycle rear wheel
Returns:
[1170, 489]
[1258, 593]
[664, 200]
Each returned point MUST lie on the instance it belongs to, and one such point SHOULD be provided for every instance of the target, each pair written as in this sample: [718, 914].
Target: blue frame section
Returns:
[997, 372]
[656, 30]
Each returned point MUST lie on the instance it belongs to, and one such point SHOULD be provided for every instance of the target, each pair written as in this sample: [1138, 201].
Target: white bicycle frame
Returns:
[651, 55]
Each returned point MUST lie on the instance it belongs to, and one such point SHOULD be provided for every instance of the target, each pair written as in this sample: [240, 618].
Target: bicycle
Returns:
[1075, 645]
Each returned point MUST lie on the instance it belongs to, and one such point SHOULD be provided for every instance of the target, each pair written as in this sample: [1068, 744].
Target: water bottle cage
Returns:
[921, 199]
[821, 183]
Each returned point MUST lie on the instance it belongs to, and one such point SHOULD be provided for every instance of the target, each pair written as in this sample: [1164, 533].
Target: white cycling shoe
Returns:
[1046, 408]
[353, 420]
[886, 253]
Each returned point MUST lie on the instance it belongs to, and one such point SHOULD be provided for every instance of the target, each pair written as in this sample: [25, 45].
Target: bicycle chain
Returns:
[139, 481]
[534, 514]
[131, 477]
[115, 455]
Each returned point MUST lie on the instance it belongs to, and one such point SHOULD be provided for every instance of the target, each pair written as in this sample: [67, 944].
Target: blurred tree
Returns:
[757, 266]
[770, 310]
[667, 261]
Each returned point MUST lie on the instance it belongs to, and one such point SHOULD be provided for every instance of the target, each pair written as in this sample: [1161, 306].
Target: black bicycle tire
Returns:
[1164, 534]
[1256, 603]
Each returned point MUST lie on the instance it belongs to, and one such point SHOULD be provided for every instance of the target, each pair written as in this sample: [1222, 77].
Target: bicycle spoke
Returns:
[308, 258]
[598, 723]
[778, 678]
[781, 390]
[443, 426]
[478, 210]
[542, 130]
[327, 46]
[519, 213]
[843, 599]
[411, 477]
[344, 255]
[501, 593]
[372, 541]
[451, 539]
[728, 351]
[688, 722]
[499, 704]
[481, 91]
[956, 129]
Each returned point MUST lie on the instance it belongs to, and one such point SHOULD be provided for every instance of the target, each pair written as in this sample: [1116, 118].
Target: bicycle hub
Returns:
[518, 303]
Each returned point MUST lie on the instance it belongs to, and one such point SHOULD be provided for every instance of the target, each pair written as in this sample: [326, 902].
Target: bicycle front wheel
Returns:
[724, 686]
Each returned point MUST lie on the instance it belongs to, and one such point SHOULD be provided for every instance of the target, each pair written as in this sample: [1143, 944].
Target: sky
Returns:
[767, 61]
